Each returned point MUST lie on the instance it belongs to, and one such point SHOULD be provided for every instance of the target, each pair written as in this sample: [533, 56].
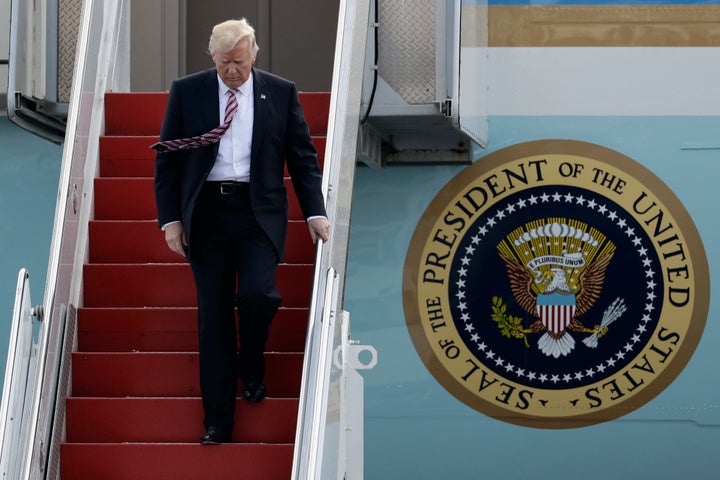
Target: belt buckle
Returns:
[229, 190]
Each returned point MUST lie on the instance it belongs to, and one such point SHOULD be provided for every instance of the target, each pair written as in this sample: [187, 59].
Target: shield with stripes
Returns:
[556, 310]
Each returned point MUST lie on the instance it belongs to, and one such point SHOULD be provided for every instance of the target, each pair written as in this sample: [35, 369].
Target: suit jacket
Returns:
[280, 135]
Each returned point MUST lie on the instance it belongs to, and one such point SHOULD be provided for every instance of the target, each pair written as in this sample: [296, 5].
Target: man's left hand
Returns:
[319, 228]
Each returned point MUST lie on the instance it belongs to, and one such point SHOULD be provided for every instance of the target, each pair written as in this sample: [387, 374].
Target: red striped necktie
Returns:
[213, 136]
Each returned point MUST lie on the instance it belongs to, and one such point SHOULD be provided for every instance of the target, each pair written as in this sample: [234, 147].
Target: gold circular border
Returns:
[535, 150]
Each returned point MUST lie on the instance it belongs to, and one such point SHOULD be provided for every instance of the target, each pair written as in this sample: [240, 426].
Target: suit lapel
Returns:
[262, 102]
[209, 107]
[209, 100]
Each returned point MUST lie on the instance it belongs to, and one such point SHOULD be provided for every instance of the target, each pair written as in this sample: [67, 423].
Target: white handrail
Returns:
[311, 460]
[18, 393]
[315, 442]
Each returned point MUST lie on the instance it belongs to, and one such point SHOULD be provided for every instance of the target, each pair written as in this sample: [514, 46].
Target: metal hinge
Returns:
[446, 107]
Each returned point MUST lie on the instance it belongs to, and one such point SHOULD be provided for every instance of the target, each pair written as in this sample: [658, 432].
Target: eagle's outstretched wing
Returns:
[591, 282]
[520, 283]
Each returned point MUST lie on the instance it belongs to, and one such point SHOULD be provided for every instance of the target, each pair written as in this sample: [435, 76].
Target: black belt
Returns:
[228, 188]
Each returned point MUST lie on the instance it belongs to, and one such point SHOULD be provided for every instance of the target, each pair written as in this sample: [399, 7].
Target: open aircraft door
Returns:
[421, 103]
[472, 60]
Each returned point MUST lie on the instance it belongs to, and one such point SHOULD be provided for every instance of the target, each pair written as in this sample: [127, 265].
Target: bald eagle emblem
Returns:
[556, 270]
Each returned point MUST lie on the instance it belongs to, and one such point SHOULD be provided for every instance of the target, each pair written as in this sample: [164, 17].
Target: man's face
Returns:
[234, 66]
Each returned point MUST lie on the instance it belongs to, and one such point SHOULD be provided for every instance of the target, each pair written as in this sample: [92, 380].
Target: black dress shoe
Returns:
[253, 392]
[216, 436]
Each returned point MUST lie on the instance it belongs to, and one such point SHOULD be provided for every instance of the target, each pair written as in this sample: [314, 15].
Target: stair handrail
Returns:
[311, 461]
[18, 391]
[101, 65]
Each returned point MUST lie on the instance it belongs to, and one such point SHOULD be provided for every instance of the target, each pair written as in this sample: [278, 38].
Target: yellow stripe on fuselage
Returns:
[597, 25]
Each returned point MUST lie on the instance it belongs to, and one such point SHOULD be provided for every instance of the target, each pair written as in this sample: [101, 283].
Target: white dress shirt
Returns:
[233, 158]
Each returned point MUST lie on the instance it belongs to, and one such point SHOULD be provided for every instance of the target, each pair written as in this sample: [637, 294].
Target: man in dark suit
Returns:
[222, 203]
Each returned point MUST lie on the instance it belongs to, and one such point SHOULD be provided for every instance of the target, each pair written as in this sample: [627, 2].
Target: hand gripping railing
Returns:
[320, 420]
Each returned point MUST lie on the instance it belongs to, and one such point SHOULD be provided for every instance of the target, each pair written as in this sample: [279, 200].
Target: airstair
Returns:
[112, 383]
[135, 409]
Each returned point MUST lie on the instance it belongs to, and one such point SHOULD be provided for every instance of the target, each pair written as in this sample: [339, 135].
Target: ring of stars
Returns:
[492, 357]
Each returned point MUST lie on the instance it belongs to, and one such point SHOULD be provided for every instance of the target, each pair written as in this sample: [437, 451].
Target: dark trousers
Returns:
[234, 264]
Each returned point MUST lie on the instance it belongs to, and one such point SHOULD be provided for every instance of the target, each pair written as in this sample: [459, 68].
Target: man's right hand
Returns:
[175, 237]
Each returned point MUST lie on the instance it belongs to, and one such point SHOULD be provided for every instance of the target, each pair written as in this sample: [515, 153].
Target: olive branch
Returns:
[510, 326]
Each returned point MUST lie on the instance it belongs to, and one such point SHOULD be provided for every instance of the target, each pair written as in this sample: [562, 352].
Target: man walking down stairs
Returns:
[227, 134]
[135, 411]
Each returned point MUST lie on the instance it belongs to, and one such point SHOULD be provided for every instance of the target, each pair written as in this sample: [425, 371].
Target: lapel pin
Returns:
[262, 96]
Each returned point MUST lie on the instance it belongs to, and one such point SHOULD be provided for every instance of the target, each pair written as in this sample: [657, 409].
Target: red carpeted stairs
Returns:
[135, 411]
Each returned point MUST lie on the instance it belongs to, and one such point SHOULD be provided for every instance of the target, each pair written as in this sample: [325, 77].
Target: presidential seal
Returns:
[555, 284]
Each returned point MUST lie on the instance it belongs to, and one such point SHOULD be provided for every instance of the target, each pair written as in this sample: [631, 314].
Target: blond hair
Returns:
[226, 35]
